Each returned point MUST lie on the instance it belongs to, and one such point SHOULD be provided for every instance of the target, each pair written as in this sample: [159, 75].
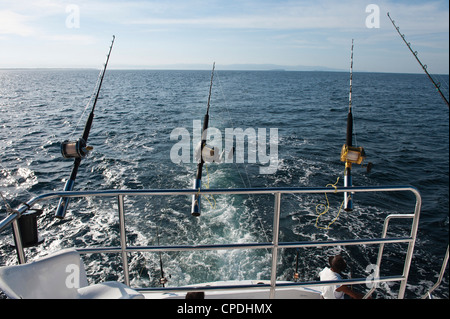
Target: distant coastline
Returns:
[230, 67]
[233, 67]
[207, 67]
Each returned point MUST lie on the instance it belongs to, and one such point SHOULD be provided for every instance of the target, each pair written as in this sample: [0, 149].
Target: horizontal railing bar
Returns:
[130, 249]
[8, 220]
[235, 191]
[266, 190]
[167, 192]
[372, 241]
[279, 285]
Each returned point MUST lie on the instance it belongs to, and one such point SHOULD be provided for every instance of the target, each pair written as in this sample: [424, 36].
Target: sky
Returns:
[240, 33]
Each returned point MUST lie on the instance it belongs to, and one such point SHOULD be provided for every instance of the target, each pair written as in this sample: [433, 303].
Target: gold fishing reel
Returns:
[352, 155]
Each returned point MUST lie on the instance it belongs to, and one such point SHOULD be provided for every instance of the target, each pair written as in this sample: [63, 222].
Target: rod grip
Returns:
[348, 197]
[64, 201]
[195, 210]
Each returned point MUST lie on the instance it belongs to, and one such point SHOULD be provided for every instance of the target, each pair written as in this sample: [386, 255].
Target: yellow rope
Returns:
[327, 207]
[207, 187]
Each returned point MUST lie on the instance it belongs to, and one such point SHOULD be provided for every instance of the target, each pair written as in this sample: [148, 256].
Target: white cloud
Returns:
[276, 17]
[13, 23]
[74, 39]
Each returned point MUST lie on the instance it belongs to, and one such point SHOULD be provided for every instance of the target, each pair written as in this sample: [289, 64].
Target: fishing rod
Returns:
[195, 210]
[163, 280]
[349, 153]
[78, 150]
[424, 67]
[296, 276]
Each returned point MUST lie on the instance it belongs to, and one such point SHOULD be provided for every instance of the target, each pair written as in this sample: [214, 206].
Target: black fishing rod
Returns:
[163, 280]
[348, 202]
[195, 211]
[349, 153]
[296, 276]
[78, 150]
[424, 67]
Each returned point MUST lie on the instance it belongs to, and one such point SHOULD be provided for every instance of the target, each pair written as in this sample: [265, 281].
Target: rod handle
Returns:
[195, 210]
[64, 201]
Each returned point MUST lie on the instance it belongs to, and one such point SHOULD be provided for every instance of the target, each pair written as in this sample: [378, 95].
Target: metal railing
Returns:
[275, 245]
[441, 276]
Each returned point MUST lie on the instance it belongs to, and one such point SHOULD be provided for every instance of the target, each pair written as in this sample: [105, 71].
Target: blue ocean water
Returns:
[398, 118]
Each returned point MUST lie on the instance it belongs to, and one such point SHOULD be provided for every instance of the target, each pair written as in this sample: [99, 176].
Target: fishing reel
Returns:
[76, 149]
[163, 281]
[354, 155]
[209, 154]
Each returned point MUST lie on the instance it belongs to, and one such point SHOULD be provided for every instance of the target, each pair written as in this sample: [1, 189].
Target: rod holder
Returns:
[195, 209]
[28, 228]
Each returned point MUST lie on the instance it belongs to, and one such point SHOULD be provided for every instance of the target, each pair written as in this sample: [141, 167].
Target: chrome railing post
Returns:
[276, 229]
[381, 248]
[441, 276]
[408, 258]
[123, 240]
[18, 242]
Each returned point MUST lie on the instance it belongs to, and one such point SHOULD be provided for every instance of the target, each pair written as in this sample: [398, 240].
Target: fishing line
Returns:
[250, 196]
[87, 105]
